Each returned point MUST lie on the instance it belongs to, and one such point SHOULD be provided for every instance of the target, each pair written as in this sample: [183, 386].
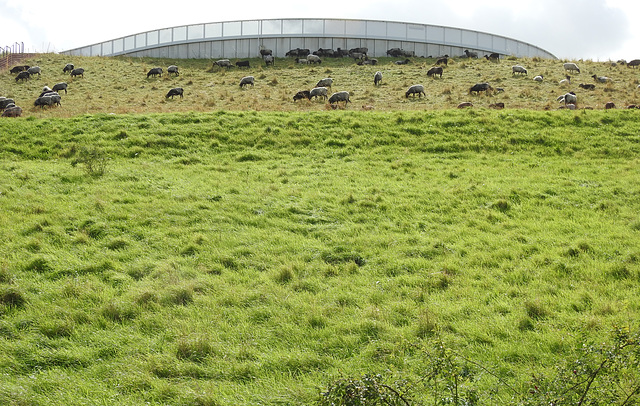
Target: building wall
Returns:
[244, 39]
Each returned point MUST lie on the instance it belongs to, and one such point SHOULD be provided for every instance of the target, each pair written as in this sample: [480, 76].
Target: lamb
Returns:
[155, 72]
[518, 69]
[314, 59]
[60, 86]
[470, 54]
[436, 70]
[173, 69]
[326, 82]
[68, 68]
[570, 67]
[568, 98]
[377, 78]
[318, 91]
[223, 63]
[176, 91]
[302, 94]
[415, 89]
[565, 81]
[247, 80]
[633, 63]
[601, 79]
[587, 86]
[303, 61]
[480, 87]
[539, 78]
[77, 72]
[24, 75]
[34, 69]
[338, 97]
[13, 111]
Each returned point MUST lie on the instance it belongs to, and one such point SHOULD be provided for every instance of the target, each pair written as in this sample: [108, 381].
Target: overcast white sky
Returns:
[580, 29]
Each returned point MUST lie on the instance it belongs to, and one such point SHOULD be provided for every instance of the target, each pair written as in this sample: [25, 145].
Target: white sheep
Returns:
[601, 79]
[518, 69]
[338, 97]
[570, 67]
[565, 81]
[318, 92]
[539, 78]
[415, 89]
[247, 80]
[326, 82]
[313, 59]
[568, 98]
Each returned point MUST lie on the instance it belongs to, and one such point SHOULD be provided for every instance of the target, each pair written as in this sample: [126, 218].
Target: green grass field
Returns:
[237, 248]
[253, 258]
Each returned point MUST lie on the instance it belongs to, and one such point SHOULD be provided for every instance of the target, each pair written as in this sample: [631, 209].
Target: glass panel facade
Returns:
[292, 27]
[118, 45]
[232, 29]
[250, 27]
[396, 30]
[213, 30]
[356, 28]
[469, 38]
[271, 27]
[195, 31]
[152, 38]
[107, 48]
[435, 34]
[129, 43]
[334, 27]
[416, 32]
[452, 35]
[95, 50]
[313, 26]
[141, 40]
[165, 35]
[180, 33]
[377, 28]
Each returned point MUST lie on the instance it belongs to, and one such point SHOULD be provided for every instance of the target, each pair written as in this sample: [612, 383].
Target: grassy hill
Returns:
[120, 85]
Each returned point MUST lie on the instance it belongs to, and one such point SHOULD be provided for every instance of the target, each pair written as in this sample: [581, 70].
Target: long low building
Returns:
[245, 39]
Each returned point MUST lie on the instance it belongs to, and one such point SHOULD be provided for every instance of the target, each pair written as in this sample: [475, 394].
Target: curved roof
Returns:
[244, 39]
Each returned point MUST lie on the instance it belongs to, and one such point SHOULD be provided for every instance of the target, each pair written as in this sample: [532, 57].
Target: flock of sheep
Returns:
[50, 97]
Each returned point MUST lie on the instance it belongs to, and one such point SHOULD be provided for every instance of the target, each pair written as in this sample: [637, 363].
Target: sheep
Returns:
[19, 68]
[268, 60]
[609, 105]
[318, 92]
[588, 86]
[361, 50]
[173, 69]
[396, 52]
[247, 80]
[368, 61]
[338, 97]
[24, 75]
[303, 61]
[266, 52]
[298, 52]
[538, 78]
[13, 111]
[570, 67]
[77, 72]
[568, 98]
[357, 55]
[565, 81]
[223, 63]
[518, 69]
[444, 60]
[154, 72]
[465, 105]
[601, 79]
[176, 91]
[5, 102]
[34, 69]
[493, 57]
[43, 101]
[302, 94]
[324, 52]
[436, 70]
[314, 59]
[45, 90]
[68, 68]
[326, 82]
[497, 106]
[404, 62]
[377, 78]
[60, 86]
[470, 54]
[415, 89]
[633, 63]
[480, 87]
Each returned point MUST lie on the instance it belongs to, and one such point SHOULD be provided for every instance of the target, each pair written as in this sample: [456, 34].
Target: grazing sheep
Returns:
[223, 63]
[405, 62]
[298, 52]
[173, 69]
[609, 105]
[444, 60]
[633, 63]
[470, 54]
[436, 70]
[568, 98]
[68, 68]
[324, 52]
[318, 92]
[45, 90]
[601, 79]
[302, 94]
[5, 102]
[493, 57]
[359, 50]
[518, 69]
[497, 106]
[480, 87]
[247, 80]
[34, 69]
[154, 72]
[60, 86]
[539, 78]
[24, 75]
[314, 59]
[588, 86]
[570, 67]
[266, 52]
[268, 60]
[19, 68]
[415, 89]
[465, 105]
[43, 101]
[357, 55]
[243, 64]
[565, 81]
[176, 91]
[302, 61]
[368, 61]
[77, 72]
[396, 52]
[377, 78]
[326, 82]
[13, 111]
[338, 97]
